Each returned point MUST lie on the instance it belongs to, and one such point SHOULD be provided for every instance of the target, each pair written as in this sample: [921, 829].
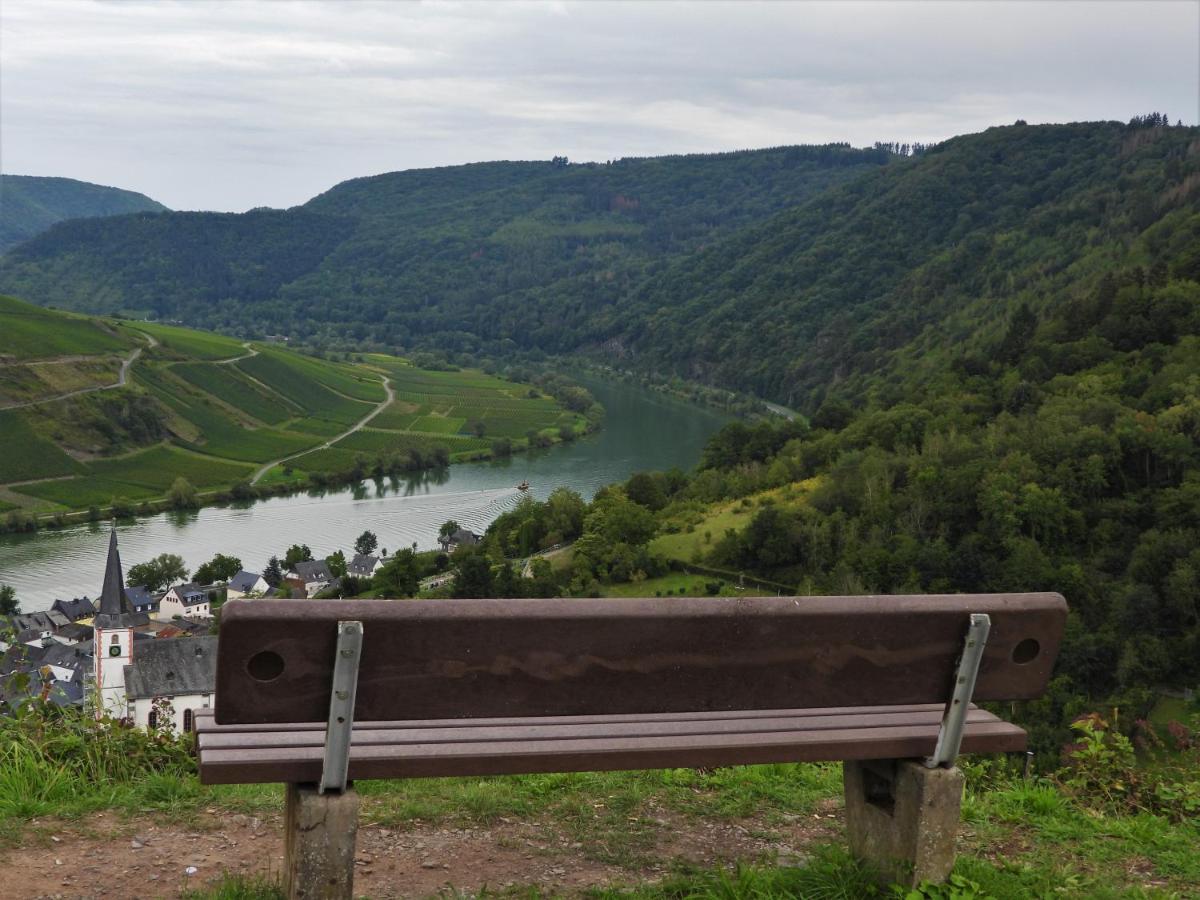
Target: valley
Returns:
[193, 416]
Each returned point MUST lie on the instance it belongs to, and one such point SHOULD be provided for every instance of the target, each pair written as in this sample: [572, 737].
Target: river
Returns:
[642, 431]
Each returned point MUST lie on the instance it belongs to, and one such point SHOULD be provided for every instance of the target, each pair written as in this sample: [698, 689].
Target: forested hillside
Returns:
[1061, 454]
[495, 255]
[30, 204]
[790, 273]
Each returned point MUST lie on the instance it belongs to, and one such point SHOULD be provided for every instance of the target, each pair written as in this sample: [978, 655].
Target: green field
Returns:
[352, 381]
[159, 466]
[25, 455]
[237, 390]
[437, 424]
[373, 441]
[139, 476]
[201, 345]
[30, 332]
[188, 411]
[292, 376]
[695, 534]
[85, 491]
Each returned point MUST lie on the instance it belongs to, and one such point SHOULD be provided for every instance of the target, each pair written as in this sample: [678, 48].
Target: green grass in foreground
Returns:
[1018, 839]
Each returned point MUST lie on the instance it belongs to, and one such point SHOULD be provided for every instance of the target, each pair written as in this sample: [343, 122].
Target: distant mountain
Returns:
[459, 257]
[795, 273]
[30, 204]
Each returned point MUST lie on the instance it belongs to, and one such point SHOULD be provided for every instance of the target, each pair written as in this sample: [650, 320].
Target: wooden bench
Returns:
[317, 694]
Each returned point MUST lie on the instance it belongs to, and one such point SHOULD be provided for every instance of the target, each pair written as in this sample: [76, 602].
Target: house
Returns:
[75, 610]
[246, 584]
[312, 576]
[364, 566]
[62, 663]
[143, 601]
[169, 679]
[461, 538]
[190, 600]
[75, 633]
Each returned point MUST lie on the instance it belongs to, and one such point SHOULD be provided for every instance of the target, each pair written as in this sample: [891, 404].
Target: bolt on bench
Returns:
[317, 694]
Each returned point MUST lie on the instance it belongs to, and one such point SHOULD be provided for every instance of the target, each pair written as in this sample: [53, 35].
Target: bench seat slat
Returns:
[525, 730]
[864, 738]
[205, 721]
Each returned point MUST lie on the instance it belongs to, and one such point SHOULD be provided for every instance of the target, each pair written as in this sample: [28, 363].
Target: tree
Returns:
[182, 494]
[273, 573]
[337, 564]
[472, 575]
[158, 573]
[219, 568]
[366, 543]
[399, 576]
[1020, 332]
[448, 528]
[296, 553]
[644, 489]
[8, 600]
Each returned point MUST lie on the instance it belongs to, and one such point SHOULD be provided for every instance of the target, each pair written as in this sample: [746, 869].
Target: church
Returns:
[152, 682]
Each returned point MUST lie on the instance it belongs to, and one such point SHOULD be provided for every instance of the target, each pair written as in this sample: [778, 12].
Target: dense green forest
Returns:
[493, 256]
[30, 204]
[1063, 456]
[786, 272]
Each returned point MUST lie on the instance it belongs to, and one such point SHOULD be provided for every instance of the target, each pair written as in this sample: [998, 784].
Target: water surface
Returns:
[643, 431]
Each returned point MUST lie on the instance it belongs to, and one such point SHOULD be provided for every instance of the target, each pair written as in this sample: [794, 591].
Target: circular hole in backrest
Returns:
[265, 666]
[1026, 651]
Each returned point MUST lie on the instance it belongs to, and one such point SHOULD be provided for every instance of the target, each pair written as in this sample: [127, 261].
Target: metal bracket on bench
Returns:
[950, 734]
[341, 707]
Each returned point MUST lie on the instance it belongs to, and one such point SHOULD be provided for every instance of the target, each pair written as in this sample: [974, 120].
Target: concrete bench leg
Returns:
[319, 835]
[902, 818]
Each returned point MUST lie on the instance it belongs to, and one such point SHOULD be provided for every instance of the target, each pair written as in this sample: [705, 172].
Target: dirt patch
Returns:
[111, 857]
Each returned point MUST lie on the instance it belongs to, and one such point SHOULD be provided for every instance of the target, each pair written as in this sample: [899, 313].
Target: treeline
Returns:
[776, 273]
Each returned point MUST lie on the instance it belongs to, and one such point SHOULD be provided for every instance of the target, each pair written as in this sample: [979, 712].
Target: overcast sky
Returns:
[231, 104]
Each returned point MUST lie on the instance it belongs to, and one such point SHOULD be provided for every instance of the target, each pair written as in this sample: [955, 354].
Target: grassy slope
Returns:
[34, 333]
[210, 409]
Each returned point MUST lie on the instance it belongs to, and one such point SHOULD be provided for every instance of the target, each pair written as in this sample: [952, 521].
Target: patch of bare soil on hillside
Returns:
[107, 856]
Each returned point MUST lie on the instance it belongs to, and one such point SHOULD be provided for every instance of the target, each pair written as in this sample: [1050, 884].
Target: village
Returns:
[149, 656]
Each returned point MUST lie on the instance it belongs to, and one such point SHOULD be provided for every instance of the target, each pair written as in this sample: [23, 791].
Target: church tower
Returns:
[113, 648]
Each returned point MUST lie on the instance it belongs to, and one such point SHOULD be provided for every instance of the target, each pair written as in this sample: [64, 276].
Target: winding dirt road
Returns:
[122, 379]
[391, 395]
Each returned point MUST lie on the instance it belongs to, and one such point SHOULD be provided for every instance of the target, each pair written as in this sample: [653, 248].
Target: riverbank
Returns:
[642, 431]
[277, 480]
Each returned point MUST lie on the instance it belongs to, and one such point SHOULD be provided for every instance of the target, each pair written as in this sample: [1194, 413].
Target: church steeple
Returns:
[112, 644]
[115, 609]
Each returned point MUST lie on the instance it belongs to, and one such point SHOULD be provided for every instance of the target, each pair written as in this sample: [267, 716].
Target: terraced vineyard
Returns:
[216, 412]
[460, 413]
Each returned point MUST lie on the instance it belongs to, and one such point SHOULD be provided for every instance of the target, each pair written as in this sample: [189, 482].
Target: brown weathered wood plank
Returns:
[517, 658]
[301, 764]
[517, 731]
[205, 721]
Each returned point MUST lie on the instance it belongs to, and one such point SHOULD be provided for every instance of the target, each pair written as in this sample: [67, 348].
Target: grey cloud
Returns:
[238, 104]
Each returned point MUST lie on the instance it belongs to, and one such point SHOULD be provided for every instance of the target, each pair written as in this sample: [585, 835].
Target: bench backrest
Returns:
[443, 659]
